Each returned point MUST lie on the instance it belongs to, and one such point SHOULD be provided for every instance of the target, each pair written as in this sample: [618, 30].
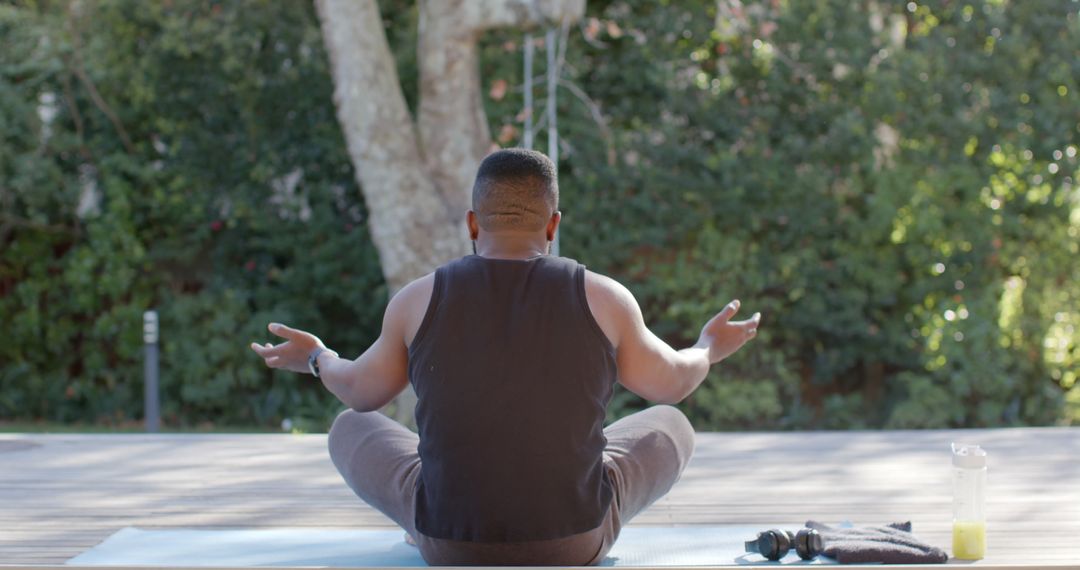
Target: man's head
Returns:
[516, 191]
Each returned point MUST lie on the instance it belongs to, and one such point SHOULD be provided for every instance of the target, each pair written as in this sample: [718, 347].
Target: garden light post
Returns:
[151, 405]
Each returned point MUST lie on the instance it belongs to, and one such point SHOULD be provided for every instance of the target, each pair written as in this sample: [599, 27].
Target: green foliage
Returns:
[219, 192]
[893, 185]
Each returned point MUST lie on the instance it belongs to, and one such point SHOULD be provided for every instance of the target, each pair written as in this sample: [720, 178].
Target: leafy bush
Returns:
[892, 184]
[219, 192]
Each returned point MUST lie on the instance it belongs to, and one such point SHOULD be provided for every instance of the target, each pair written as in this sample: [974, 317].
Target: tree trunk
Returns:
[417, 190]
[411, 226]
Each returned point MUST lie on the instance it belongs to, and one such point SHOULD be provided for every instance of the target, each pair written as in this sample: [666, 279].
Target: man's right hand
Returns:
[722, 336]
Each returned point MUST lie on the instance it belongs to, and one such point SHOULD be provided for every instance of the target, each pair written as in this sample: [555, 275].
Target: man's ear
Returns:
[473, 223]
[553, 225]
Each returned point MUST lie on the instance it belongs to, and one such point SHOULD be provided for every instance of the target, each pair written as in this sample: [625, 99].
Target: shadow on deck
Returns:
[62, 494]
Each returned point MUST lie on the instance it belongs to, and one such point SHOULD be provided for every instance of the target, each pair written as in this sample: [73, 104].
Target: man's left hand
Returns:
[291, 354]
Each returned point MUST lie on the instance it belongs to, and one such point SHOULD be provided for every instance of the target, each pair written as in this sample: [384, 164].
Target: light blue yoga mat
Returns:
[636, 546]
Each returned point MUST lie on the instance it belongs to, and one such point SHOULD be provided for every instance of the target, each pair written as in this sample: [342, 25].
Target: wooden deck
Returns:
[62, 494]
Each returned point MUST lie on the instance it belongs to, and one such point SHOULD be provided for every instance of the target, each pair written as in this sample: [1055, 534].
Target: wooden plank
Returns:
[61, 493]
[1011, 566]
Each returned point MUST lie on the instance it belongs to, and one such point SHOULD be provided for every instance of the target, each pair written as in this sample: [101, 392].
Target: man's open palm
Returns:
[291, 354]
[723, 336]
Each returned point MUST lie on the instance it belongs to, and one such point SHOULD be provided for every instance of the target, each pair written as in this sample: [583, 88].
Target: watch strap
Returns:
[313, 359]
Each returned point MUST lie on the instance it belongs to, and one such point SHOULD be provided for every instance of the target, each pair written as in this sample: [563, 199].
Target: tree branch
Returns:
[76, 67]
[597, 115]
[7, 221]
[451, 119]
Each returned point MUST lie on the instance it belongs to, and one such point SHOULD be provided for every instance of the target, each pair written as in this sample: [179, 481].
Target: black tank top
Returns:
[513, 378]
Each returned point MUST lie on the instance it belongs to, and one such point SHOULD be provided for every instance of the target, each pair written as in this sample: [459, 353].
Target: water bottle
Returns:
[969, 502]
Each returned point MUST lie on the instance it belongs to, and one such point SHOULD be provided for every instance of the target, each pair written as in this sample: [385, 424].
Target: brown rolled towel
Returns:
[889, 544]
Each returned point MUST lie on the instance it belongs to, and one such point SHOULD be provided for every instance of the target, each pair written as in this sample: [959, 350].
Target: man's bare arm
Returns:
[378, 375]
[648, 366]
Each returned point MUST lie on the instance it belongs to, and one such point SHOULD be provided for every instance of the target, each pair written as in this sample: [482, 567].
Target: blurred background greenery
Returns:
[892, 184]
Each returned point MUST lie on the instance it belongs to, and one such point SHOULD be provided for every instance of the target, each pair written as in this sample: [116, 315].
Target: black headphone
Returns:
[774, 543]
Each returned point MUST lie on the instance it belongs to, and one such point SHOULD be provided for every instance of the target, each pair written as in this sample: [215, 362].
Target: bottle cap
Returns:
[968, 456]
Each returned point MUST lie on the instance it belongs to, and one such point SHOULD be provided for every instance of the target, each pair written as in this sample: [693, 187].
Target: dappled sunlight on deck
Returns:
[70, 491]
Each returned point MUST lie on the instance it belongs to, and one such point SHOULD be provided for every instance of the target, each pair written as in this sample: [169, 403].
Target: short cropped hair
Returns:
[515, 189]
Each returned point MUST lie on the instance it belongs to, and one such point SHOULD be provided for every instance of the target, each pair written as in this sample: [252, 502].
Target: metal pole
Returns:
[528, 142]
[553, 132]
[151, 402]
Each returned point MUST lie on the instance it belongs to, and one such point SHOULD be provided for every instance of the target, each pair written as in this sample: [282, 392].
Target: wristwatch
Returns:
[313, 359]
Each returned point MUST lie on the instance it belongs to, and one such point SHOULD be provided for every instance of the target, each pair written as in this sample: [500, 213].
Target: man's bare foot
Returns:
[409, 540]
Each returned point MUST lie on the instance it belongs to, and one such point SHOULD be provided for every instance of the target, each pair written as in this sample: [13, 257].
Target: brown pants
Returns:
[645, 455]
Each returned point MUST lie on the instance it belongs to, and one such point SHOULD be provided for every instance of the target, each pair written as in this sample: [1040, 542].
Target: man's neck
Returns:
[512, 246]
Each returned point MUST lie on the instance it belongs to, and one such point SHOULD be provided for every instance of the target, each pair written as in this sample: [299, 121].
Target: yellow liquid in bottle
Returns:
[969, 540]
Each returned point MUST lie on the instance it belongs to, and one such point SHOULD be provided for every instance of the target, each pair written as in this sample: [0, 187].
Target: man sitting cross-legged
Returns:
[513, 354]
